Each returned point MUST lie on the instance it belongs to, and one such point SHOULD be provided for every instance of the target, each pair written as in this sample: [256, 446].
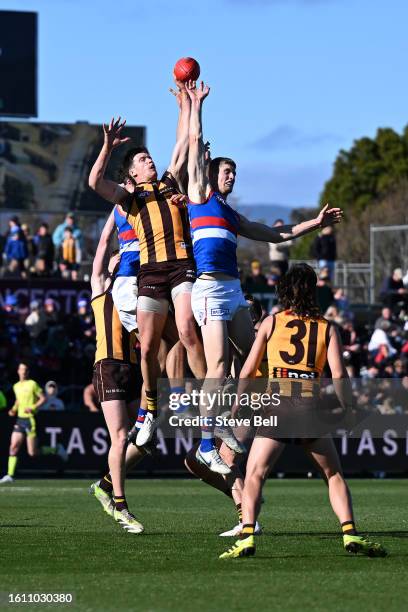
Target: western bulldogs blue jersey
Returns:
[128, 246]
[214, 228]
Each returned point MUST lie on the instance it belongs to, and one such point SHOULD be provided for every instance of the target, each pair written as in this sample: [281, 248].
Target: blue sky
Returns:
[293, 81]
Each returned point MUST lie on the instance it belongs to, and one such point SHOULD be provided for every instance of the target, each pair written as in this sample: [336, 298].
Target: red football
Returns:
[186, 69]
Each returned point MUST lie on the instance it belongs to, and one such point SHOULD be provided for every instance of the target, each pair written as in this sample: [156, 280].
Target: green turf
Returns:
[55, 538]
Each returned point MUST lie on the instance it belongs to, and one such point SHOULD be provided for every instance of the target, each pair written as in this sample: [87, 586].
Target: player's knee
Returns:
[188, 334]
[119, 440]
[149, 349]
[257, 473]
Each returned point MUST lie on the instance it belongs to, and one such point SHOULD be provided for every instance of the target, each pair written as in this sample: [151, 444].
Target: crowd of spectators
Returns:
[62, 345]
[42, 254]
[59, 347]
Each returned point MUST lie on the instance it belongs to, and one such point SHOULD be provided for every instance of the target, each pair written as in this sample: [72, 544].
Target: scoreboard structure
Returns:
[45, 166]
[18, 64]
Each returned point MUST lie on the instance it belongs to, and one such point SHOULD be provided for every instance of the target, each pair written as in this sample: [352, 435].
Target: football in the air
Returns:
[186, 69]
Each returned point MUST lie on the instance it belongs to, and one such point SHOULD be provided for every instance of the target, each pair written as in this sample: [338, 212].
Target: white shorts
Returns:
[124, 294]
[217, 300]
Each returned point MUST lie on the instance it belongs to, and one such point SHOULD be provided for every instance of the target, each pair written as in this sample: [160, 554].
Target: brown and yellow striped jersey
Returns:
[163, 229]
[113, 341]
[297, 349]
[263, 369]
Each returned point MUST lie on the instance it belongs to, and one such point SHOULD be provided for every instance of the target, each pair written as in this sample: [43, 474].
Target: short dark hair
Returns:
[215, 166]
[128, 160]
[44, 224]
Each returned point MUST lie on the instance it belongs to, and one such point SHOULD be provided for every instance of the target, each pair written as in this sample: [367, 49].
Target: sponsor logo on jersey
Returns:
[167, 191]
[292, 373]
[220, 198]
[220, 312]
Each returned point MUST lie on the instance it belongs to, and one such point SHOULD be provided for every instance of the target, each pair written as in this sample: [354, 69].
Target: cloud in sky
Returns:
[289, 137]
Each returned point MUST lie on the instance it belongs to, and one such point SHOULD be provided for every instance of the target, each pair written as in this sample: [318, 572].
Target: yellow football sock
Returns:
[12, 464]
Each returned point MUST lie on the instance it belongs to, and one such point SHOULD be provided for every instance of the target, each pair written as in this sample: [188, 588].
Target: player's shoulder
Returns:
[169, 182]
[267, 326]
[284, 315]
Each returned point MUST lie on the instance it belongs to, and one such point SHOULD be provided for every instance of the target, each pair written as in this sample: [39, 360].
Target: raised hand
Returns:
[328, 216]
[179, 92]
[197, 93]
[112, 134]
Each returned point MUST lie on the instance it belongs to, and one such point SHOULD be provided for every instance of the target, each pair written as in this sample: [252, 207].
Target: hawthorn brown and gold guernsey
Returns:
[297, 351]
[163, 228]
[113, 341]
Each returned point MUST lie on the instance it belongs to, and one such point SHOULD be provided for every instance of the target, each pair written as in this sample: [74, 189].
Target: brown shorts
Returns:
[298, 421]
[157, 280]
[116, 380]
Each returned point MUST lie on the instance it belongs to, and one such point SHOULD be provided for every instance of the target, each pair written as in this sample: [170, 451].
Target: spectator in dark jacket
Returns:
[325, 250]
[30, 245]
[325, 297]
[256, 282]
[393, 291]
[44, 246]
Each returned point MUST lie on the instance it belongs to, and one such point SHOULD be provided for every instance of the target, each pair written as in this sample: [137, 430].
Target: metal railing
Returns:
[354, 278]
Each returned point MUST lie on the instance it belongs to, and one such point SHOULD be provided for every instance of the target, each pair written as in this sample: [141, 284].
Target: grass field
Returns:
[56, 538]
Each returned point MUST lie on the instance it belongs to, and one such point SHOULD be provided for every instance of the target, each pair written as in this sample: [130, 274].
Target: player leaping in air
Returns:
[167, 269]
[217, 300]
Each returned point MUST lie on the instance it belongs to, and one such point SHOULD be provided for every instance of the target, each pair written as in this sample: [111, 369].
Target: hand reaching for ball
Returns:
[199, 93]
[179, 92]
[112, 134]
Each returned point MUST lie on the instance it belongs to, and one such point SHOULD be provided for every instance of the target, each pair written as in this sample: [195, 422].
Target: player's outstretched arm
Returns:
[179, 158]
[198, 183]
[100, 262]
[264, 233]
[109, 190]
